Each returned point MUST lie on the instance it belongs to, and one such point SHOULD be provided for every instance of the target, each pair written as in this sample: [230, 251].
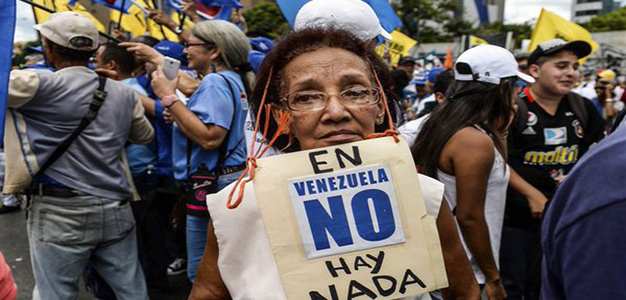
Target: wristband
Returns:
[168, 101]
[178, 30]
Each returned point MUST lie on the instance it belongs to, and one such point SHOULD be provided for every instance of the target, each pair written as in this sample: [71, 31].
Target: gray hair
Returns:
[233, 43]
[234, 46]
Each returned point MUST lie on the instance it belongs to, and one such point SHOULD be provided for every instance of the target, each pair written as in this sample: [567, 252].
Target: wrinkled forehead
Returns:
[324, 65]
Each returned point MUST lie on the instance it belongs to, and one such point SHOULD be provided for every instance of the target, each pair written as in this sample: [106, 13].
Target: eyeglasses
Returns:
[313, 100]
[187, 45]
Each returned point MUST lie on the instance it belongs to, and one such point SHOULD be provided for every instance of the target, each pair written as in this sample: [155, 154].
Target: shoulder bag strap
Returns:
[98, 98]
[223, 150]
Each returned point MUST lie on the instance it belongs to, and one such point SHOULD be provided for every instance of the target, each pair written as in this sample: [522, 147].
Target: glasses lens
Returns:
[360, 96]
[307, 101]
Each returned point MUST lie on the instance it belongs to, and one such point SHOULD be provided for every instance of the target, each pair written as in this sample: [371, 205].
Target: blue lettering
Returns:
[310, 187]
[299, 186]
[320, 222]
[370, 174]
[342, 182]
[321, 185]
[352, 182]
[362, 178]
[382, 176]
[363, 218]
[332, 184]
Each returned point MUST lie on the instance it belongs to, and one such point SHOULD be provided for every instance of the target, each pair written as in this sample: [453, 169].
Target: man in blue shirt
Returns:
[583, 235]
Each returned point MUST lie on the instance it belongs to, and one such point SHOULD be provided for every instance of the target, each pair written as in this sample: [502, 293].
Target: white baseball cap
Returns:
[71, 30]
[355, 16]
[487, 63]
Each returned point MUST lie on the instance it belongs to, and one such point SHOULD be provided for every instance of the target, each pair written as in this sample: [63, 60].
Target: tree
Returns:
[615, 20]
[424, 20]
[265, 19]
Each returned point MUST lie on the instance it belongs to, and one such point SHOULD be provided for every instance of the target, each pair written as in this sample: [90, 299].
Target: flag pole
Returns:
[119, 21]
[37, 5]
[160, 26]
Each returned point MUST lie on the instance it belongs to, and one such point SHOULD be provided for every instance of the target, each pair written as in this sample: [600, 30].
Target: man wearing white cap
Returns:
[80, 210]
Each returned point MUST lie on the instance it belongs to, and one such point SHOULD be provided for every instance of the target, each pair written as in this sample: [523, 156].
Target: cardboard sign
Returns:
[349, 222]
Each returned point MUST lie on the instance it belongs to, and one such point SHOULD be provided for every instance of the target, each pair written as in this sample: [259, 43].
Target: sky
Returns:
[515, 11]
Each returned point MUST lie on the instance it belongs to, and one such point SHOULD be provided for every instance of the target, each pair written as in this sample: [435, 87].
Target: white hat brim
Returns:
[525, 77]
[37, 27]
[385, 34]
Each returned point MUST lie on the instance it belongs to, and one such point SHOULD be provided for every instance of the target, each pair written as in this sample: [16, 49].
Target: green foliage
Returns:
[265, 19]
[615, 20]
[424, 20]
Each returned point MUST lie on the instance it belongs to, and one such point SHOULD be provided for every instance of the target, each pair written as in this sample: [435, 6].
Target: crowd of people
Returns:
[113, 159]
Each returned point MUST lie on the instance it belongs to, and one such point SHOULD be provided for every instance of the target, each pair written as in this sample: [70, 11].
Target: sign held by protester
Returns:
[349, 221]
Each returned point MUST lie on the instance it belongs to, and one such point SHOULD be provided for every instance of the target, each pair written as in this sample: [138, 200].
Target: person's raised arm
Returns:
[471, 156]
[209, 284]
[461, 280]
[208, 137]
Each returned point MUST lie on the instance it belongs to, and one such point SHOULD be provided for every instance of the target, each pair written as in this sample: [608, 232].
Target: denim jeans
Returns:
[66, 234]
[197, 230]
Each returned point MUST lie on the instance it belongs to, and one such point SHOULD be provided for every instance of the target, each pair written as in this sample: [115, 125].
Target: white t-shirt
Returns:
[245, 260]
[410, 130]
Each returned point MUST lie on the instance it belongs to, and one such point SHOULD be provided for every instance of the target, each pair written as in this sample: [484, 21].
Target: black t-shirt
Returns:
[546, 148]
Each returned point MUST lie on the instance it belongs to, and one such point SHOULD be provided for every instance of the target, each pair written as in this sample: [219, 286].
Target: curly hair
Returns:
[296, 43]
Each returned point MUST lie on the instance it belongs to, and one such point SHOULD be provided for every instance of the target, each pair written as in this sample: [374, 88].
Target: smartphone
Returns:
[170, 67]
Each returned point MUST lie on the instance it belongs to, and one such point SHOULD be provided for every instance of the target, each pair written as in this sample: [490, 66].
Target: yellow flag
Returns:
[42, 16]
[475, 41]
[551, 26]
[399, 47]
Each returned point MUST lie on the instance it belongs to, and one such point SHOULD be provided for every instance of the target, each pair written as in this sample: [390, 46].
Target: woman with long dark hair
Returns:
[462, 144]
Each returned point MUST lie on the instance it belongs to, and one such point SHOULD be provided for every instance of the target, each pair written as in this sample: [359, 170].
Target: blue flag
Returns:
[114, 4]
[7, 23]
[387, 16]
[210, 9]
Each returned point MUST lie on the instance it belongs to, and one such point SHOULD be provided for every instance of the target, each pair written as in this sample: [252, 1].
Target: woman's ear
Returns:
[214, 53]
[380, 113]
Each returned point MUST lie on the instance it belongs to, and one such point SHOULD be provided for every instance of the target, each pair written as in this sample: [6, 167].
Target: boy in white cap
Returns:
[80, 211]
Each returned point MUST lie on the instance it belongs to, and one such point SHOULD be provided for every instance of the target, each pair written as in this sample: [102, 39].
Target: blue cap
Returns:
[432, 74]
[255, 58]
[262, 44]
[419, 79]
[172, 49]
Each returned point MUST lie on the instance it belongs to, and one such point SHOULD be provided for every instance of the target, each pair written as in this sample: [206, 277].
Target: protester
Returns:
[246, 268]
[552, 129]
[208, 133]
[583, 236]
[411, 129]
[585, 88]
[461, 144]
[88, 178]
[605, 101]
[402, 75]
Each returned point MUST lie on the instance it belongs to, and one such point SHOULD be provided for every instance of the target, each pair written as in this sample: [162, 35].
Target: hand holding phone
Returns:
[170, 67]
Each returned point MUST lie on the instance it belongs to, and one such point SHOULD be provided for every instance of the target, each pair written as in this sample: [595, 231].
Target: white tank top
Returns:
[495, 201]
[245, 261]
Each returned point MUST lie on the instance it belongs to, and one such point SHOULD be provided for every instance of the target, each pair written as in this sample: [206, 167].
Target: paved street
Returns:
[14, 246]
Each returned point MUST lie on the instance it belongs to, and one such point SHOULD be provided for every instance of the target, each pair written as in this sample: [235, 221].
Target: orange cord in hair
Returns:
[284, 120]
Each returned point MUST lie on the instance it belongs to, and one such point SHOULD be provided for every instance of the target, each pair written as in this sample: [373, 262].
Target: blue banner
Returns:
[387, 16]
[7, 23]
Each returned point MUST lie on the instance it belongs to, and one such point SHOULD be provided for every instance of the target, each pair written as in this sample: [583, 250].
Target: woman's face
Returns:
[331, 71]
[199, 57]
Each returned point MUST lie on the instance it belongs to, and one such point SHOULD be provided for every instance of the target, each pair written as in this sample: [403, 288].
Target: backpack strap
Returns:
[577, 103]
[99, 95]
[521, 116]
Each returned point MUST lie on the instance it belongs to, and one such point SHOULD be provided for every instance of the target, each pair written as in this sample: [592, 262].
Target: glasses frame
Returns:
[284, 102]
[187, 45]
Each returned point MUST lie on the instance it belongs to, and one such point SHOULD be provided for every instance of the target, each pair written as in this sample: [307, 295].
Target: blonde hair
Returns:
[233, 44]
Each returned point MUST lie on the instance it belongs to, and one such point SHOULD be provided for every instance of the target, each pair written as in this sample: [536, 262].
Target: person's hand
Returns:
[143, 53]
[107, 73]
[120, 35]
[161, 18]
[167, 116]
[495, 290]
[237, 17]
[161, 85]
[537, 203]
[189, 8]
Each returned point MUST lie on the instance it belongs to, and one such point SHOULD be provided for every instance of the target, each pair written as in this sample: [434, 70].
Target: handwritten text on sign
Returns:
[346, 210]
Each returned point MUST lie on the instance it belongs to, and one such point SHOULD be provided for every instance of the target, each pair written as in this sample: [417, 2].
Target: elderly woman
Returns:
[208, 140]
[328, 89]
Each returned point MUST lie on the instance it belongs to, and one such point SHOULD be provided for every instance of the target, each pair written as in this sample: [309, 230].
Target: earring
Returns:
[380, 119]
